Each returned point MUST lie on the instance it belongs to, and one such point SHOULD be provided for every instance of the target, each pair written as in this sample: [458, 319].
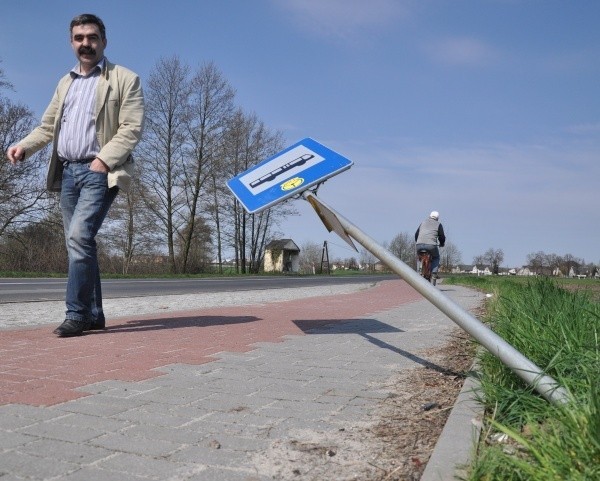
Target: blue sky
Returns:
[485, 110]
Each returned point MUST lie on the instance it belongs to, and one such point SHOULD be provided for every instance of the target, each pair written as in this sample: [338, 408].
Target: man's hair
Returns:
[85, 18]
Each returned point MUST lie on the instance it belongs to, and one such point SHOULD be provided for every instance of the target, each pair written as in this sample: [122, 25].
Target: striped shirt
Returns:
[77, 138]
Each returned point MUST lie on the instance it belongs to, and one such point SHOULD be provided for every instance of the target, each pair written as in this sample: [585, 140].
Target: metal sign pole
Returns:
[520, 365]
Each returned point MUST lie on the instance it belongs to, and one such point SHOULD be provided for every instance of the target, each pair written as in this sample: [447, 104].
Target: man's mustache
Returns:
[86, 51]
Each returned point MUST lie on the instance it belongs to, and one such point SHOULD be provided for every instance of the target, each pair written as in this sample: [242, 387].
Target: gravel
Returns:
[31, 314]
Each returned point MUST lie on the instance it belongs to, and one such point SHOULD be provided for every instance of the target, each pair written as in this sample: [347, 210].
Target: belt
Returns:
[87, 160]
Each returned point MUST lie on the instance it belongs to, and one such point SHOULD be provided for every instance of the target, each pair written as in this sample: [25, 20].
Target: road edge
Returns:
[456, 444]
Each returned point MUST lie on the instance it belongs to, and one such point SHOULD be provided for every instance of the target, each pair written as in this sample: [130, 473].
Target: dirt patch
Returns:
[413, 417]
[591, 288]
[397, 443]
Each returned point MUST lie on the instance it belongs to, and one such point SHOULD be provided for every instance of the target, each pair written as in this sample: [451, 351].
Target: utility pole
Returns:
[325, 258]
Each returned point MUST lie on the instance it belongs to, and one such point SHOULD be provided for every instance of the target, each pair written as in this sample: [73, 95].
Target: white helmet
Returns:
[435, 215]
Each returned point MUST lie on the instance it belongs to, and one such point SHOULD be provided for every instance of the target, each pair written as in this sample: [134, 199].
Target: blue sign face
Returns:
[286, 174]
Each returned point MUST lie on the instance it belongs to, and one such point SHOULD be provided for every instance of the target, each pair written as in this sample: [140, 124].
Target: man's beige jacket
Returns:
[119, 122]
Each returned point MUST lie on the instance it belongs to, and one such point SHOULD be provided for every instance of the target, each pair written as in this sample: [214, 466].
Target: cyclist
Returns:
[429, 235]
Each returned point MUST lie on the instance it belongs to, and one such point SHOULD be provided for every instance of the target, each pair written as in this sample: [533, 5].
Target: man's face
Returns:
[88, 45]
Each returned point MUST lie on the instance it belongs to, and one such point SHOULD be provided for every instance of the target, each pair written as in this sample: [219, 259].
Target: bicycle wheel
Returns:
[425, 258]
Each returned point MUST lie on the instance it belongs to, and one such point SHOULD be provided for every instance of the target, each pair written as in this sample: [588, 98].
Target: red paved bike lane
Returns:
[39, 369]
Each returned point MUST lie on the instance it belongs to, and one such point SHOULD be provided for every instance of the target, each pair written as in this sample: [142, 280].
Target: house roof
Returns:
[282, 244]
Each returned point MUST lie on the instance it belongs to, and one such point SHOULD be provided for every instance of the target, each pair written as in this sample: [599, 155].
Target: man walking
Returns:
[94, 121]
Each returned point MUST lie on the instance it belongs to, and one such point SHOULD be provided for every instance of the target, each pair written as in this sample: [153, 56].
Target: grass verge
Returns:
[525, 437]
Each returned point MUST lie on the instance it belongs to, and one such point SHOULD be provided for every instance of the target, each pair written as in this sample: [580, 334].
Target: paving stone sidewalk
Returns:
[222, 393]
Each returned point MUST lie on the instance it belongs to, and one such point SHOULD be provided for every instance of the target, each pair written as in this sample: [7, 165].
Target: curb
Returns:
[454, 449]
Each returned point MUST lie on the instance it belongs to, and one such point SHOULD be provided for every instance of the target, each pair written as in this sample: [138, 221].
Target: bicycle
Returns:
[425, 260]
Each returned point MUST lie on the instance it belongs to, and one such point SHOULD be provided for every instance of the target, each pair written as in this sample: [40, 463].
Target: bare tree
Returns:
[537, 261]
[166, 96]
[216, 192]
[542, 263]
[450, 256]
[367, 259]
[4, 83]
[200, 251]
[210, 107]
[351, 263]
[26, 226]
[36, 246]
[592, 269]
[248, 142]
[403, 247]
[227, 213]
[311, 254]
[568, 262]
[492, 257]
[23, 196]
[130, 228]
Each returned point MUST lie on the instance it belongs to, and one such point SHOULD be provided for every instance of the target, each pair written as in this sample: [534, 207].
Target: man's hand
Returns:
[15, 153]
[98, 166]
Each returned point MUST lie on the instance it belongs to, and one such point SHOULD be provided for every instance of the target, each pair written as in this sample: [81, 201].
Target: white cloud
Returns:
[461, 51]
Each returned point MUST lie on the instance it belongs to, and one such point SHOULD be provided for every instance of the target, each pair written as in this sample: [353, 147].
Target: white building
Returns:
[282, 255]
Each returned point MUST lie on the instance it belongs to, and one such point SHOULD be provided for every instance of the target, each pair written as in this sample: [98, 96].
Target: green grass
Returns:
[559, 330]
[29, 275]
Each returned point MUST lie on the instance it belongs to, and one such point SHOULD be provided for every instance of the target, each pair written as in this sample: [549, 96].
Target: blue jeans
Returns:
[435, 255]
[84, 201]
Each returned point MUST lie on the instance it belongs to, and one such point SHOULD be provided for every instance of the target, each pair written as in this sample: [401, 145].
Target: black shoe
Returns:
[98, 326]
[71, 328]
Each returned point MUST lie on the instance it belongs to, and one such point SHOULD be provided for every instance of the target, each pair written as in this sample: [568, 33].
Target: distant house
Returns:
[462, 268]
[481, 270]
[580, 273]
[282, 255]
[525, 271]
[380, 267]
[466, 269]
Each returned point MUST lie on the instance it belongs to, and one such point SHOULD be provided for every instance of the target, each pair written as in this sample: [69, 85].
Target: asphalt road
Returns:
[43, 289]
